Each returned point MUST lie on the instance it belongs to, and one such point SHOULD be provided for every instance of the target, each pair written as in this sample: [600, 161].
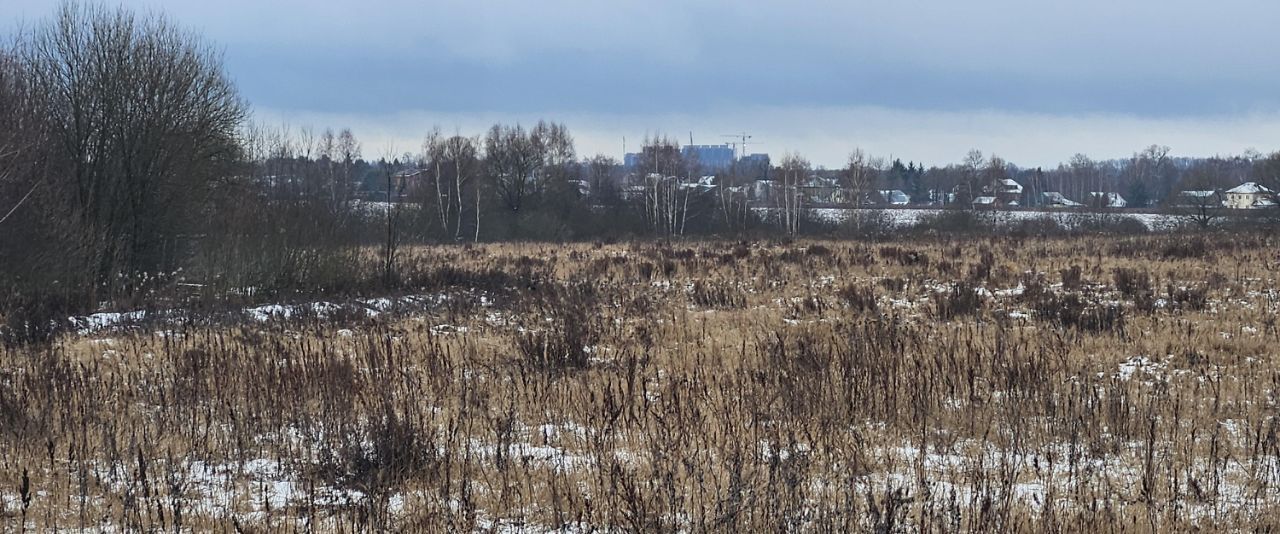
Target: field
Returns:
[1002, 384]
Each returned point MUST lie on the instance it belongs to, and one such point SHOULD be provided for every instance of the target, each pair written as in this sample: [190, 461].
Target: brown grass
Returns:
[1129, 384]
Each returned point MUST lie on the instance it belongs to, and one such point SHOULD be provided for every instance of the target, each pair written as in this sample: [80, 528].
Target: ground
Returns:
[956, 385]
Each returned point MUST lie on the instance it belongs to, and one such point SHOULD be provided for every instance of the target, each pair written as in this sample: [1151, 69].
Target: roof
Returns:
[983, 201]
[1113, 200]
[895, 196]
[1054, 197]
[818, 181]
[1198, 194]
[1011, 186]
[1249, 188]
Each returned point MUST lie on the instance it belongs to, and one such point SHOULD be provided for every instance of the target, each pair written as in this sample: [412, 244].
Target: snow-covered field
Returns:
[906, 217]
[807, 385]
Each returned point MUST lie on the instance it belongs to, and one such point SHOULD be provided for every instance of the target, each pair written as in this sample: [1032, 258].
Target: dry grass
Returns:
[993, 385]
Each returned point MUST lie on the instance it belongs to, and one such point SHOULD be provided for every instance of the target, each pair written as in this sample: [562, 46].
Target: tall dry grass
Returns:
[943, 385]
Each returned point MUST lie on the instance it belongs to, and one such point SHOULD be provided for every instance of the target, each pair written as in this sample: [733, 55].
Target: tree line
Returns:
[128, 161]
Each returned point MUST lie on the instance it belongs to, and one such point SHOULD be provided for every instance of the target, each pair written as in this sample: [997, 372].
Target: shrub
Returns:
[904, 257]
[961, 300]
[896, 285]
[982, 270]
[1072, 278]
[562, 342]
[958, 221]
[859, 298]
[1132, 282]
[1196, 247]
[1188, 298]
[34, 318]
[718, 294]
[1072, 311]
[866, 224]
[817, 250]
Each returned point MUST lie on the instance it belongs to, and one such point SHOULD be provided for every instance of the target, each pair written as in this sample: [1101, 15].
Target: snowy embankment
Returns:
[903, 218]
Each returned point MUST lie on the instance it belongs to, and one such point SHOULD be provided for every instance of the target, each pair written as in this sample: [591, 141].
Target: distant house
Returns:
[1054, 199]
[1199, 198]
[819, 190]
[892, 197]
[1008, 192]
[583, 187]
[409, 181]
[986, 202]
[705, 183]
[1100, 199]
[633, 192]
[1250, 195]
[761, 190]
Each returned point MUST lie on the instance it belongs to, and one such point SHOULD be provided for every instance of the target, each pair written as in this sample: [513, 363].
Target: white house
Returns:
[1107, 200]
[1008, 191]
[1249, 195]
[985, 202]
[894, 197]
[1054, 199]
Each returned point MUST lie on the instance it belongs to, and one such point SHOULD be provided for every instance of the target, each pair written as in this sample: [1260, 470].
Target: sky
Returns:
[1034, 81]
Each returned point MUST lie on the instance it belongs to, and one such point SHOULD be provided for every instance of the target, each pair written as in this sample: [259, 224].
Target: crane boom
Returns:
[743, 136]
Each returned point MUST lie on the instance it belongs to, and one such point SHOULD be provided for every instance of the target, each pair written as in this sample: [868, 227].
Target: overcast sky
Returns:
[1032, 80]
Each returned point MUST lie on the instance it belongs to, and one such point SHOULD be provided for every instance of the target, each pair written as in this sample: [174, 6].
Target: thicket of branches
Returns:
[129, 173]
[126, 158]
[120, 132]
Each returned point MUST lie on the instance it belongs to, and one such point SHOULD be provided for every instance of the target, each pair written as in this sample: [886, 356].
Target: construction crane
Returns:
[744, 136]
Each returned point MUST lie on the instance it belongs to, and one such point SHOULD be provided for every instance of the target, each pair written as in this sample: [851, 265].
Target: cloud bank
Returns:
[1034, 80]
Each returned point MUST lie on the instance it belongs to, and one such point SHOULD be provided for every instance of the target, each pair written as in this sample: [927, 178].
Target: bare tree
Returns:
[1199, 196]
[972, 179]
[145, 121]
[462, 153]
[994, 174]
[859, 176]
[514, 159]
[664, 197]
[1266, 173]
[602, 180]
[391, 246]
[1202, 206]
[793, 170]
[1084, 174]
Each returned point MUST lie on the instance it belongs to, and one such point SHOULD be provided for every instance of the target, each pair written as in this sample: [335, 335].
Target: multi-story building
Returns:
[710, 158]
[1250, 195]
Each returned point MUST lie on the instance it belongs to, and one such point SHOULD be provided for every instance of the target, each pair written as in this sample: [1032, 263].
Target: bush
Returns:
[1072, 278]
[718, 294]
[34, 318]
[1072, 311]
[904, 257]
[564, 340]
[959, 221]
[1188, 298]
[1196, 247]
[1132, 282]
[962, 300]
[866, 224]
[982, 270]
[859, 298]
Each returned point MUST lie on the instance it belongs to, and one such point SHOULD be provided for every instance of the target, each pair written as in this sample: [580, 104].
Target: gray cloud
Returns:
[1157, 61]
